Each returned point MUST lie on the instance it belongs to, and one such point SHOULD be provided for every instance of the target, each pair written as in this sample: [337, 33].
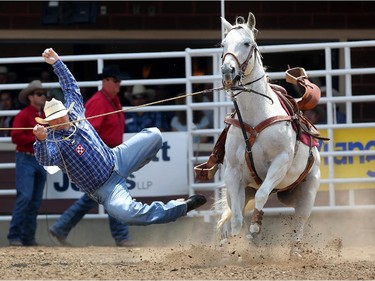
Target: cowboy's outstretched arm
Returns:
[50, 56]
[67, 81]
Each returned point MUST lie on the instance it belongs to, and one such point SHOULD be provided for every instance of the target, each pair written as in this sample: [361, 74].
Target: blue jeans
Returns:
[30, 181]
[114, 194]
[75, 213]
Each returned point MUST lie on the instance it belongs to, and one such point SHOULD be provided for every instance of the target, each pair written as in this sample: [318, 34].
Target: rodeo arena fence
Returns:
[347, 160]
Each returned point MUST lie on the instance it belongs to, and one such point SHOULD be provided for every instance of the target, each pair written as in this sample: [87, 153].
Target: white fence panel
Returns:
[221, 105]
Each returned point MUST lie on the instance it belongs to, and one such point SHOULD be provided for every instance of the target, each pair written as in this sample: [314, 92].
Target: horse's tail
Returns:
[224, 217]
[222, 204]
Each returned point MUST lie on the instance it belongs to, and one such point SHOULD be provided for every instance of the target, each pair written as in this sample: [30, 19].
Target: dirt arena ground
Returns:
[338, 246]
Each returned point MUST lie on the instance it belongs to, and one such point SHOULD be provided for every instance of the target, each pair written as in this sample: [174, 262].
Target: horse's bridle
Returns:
[242, 66]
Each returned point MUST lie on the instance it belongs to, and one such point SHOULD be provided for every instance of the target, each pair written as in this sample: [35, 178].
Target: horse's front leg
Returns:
[274, 176]
[238, 205]
[236, 199]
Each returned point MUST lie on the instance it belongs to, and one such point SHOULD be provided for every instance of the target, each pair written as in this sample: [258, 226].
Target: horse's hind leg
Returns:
[302, 198]
[249, 206]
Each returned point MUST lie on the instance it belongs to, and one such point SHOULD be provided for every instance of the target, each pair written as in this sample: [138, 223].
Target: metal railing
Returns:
[221, 104]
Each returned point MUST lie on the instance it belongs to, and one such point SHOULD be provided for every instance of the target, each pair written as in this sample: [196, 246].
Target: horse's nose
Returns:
[226, 69]
[228, 75]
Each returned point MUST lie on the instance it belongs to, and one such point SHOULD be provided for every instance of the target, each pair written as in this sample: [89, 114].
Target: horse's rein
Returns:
[242, 89]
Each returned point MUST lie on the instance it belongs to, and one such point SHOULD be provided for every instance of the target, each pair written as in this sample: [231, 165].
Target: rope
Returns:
[123, 110]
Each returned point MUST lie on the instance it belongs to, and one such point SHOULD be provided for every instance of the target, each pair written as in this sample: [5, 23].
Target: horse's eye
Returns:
[247, 44]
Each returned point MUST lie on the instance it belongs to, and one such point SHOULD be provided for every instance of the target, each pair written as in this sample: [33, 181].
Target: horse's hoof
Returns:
[254, 228]
[222, 242]
[252, 237]
[295, 255]
[295, 251]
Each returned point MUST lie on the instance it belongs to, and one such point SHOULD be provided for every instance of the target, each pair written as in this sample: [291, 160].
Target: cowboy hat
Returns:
[139, 91]
[34, 85]
[53, 109]
[112, 71]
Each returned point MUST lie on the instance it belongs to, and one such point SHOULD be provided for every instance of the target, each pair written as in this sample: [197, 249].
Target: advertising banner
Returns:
[165, 175]
[362, 166]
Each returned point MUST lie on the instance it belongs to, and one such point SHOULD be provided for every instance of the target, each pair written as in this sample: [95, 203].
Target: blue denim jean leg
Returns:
[30, 182]
[114, 194]
[72, 216]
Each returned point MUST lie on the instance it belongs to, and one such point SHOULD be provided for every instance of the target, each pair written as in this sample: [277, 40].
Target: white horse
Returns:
[276, 158]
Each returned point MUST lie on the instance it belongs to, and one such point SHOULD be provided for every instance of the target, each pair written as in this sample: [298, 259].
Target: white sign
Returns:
[165, 175]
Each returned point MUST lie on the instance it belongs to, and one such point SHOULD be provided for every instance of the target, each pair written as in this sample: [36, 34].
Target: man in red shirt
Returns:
[111, 129]
[30, 176]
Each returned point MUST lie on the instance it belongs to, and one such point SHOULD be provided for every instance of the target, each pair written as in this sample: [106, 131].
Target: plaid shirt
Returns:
[82, 155]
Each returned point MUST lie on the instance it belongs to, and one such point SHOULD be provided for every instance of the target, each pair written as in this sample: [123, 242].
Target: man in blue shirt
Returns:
[138, 120]
[72, 144]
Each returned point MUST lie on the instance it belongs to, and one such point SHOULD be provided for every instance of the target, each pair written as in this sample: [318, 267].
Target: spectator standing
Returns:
[137, 121]
[200, 120]
[30, 175]
[6, 103]
[111, 130]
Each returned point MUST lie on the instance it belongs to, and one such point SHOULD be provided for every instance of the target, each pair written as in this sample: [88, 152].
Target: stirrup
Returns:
[204, 173]
[310, 98]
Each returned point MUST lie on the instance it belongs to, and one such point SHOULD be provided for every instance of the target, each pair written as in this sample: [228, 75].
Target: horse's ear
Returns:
[251, 21]
[227, 26]
[251, 24]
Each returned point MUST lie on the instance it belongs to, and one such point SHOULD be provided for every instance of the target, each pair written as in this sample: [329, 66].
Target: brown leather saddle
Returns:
[304, 128]
[310, 98]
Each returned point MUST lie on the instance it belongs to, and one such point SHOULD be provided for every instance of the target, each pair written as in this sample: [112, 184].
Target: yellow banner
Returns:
[362, 166]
